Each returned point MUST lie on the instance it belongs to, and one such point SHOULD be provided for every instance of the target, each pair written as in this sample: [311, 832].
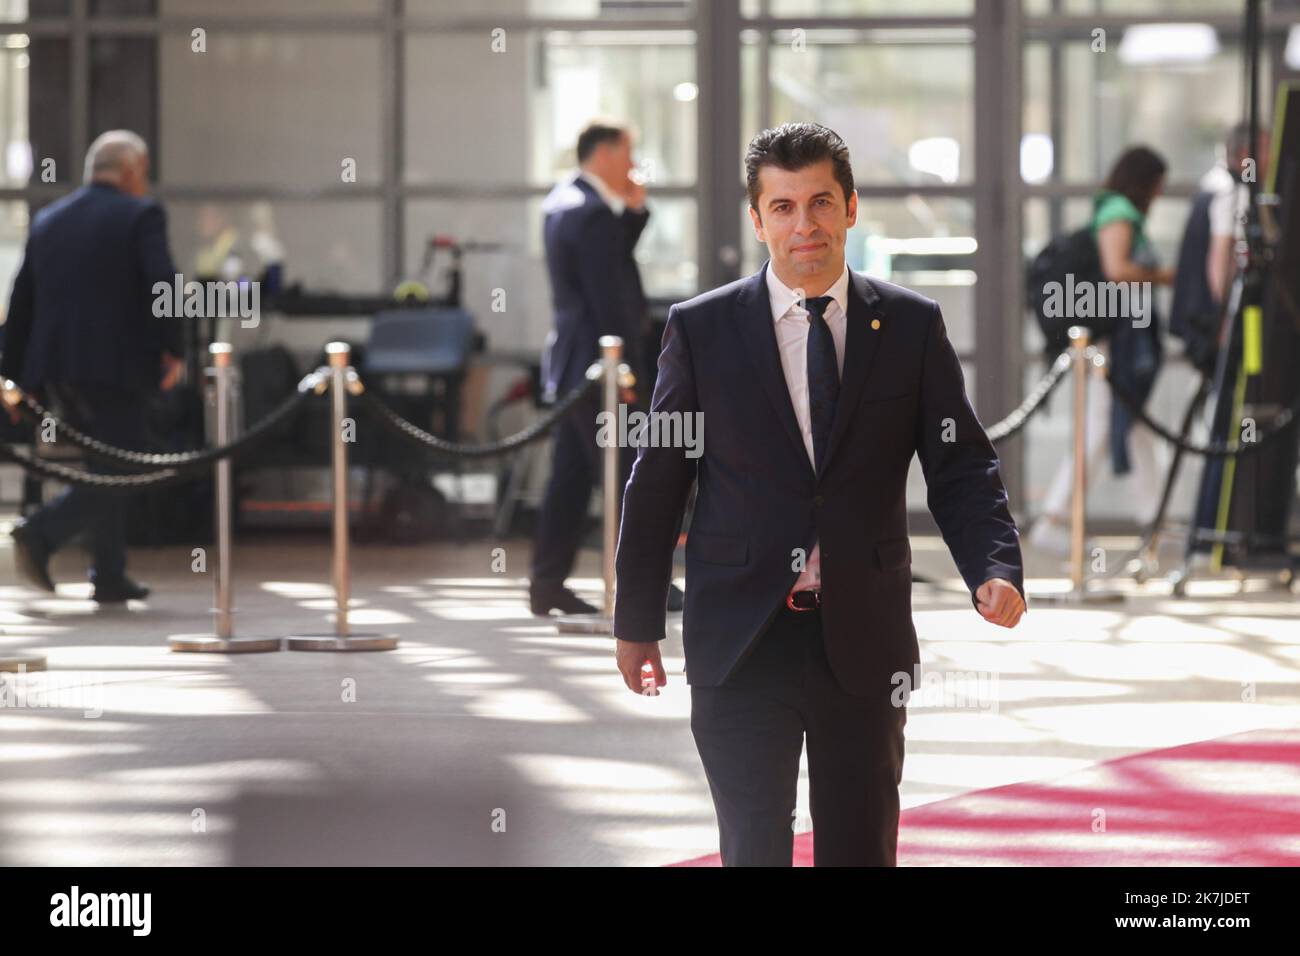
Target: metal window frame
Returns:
[999, 31]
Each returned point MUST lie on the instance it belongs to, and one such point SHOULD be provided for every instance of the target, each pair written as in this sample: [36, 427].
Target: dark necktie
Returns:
[823, 377]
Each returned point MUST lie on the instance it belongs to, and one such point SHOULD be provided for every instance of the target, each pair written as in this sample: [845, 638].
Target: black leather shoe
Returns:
[560, 599]
[115, 592]
[676, 599]
[32, 556]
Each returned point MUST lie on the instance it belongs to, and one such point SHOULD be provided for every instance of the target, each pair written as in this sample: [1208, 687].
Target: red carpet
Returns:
[1228, 802]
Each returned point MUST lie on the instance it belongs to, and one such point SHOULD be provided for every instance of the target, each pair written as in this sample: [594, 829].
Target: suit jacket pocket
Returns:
[717, 548]
[894, 554]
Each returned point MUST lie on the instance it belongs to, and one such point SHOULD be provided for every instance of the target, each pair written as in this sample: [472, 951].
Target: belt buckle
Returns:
[816, 601]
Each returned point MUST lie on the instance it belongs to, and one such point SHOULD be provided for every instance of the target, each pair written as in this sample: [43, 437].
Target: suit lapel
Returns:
[860, 341]
[753, 313]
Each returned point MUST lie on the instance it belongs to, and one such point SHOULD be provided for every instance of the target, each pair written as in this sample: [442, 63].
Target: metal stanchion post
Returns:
[224, 642]
[1079, 592]
[1079, 491]
[611, 349]
[17, 663]
[341, 382]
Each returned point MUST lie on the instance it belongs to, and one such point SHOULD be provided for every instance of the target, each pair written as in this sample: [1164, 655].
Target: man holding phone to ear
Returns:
[817, 387]
[592, 223]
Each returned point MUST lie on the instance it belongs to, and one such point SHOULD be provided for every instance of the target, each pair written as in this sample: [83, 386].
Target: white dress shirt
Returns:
[613, 200]
[791, 326]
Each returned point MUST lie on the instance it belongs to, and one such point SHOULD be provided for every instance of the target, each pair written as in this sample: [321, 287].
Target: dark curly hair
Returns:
[793, 146]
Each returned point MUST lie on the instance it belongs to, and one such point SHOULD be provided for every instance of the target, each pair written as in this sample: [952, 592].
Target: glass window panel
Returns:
[13, 238]
[874, 8]
[270, 108]
[15, 11]
[1036, 229]
[124, 88]
[329, 245]
[1170, 8]
[905, 110]
[1035, 233]
[1182, 111]
[750, 80]
[1037, 158]
[123, 8]
[267, 8]
[539, 94]
[924, 243]
[666, 254]
[1162, 7]
[565, 9]
[35, 118]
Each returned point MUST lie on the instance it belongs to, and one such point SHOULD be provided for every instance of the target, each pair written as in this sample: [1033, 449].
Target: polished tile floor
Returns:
[488, 721]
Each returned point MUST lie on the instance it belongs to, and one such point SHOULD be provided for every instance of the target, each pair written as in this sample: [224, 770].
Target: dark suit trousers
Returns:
[576, 465]
[750, 732]
[118, 418]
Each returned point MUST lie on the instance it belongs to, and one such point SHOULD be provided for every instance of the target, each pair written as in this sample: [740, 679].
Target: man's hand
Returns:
[634, 192]
[11, 401]
[999, 602]
[171, 371]
[630, 656]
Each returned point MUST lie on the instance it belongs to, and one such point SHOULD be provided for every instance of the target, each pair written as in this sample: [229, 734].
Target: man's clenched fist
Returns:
[999, 602]
[631, 656]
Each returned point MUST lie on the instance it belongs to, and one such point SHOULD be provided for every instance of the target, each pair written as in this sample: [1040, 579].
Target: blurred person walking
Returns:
[1133, 349]
[81, 326]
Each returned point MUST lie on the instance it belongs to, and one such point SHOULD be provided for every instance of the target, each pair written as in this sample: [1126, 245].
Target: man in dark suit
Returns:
[592, 223]
[816, 385]
[82, 326]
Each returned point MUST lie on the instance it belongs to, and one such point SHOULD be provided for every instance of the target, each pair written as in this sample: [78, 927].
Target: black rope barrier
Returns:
[1284, 421]
[75, 476]
[175, 467]
[187, 461]
[440, 446]
[1019, 417]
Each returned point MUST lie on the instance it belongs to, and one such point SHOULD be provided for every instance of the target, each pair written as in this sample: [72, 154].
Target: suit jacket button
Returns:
[817, 500]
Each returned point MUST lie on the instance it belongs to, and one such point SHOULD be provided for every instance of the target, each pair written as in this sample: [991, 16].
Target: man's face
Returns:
[803, 219]
[616, 161]
[135, 176]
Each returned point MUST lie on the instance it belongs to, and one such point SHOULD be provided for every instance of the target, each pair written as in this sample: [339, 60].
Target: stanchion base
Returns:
[21, 665]
[1076, 598]
[332, 642]
[209, 644]
[583, 624]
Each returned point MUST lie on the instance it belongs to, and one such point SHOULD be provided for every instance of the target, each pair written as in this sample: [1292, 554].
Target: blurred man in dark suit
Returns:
[817, 386]
[82, 326]
[592, 223]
